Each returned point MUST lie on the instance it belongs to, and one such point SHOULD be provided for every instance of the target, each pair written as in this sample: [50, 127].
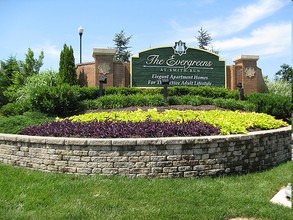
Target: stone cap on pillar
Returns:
[246, 57]
[104, 51]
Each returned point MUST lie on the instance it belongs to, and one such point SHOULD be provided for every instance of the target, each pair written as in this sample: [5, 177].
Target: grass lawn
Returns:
[28, 194]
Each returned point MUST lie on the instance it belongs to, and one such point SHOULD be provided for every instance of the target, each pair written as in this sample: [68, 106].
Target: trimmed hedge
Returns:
[64, 99]
[56, 100]
[272, 104]
[88, 92]
[205, 91]
[120, 101]
[233, 104]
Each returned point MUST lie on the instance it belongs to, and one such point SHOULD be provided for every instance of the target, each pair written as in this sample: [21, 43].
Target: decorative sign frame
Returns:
[181, 65]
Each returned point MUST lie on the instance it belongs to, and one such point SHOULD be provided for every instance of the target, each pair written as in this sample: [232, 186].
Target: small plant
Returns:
[112, 129]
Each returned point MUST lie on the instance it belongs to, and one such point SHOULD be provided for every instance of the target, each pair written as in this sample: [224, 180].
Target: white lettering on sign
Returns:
[155, 61]
[180, 80]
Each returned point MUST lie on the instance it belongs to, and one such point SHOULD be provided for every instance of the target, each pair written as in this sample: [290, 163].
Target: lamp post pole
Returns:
[80, 31]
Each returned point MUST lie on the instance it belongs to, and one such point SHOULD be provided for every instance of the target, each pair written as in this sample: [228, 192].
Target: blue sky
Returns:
[251, 27]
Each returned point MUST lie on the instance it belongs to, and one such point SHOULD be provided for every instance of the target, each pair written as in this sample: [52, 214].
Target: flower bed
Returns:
[151, 123]
[121, 129]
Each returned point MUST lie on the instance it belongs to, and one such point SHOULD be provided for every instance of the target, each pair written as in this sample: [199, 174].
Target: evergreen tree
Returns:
[121, 43]
[9, 77]
[67, 71]
[14, 73]
[5, 81]
[9, 68]
[204, 39]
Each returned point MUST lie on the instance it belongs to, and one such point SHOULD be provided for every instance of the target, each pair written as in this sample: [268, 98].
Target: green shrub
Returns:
[111, 101]
[152, 91]
[233, 104]
[13, 109]
[180, 90]
[189, 100]
[89, 105]
[25, 93]
[90, 92]
[276, 105]
[56, 100]
[121, 90]
[280, 87]
[122, 101]
[174, 100]
[148, 100]
[204, 91]
[14, 124]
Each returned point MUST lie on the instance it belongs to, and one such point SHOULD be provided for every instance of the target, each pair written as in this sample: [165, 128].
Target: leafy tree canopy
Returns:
[285, 73]
[31, 66]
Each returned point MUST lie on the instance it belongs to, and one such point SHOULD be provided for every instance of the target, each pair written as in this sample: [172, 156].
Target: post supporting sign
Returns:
[181, 65]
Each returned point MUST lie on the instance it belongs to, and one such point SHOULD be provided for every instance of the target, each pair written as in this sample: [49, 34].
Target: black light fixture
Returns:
[241, 90]
[165, 83]
[80, 31]
[102, 80]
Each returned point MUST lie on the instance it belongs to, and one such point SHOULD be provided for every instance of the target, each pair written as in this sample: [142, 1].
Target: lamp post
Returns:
[80, 31]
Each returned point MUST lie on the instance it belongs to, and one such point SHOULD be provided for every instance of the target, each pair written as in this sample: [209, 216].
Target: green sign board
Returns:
[179, 66]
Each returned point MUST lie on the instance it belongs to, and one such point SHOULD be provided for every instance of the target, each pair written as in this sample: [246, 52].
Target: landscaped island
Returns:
[152, 123]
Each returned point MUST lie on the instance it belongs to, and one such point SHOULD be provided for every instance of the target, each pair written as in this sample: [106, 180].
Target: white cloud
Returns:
[51, 55]
[186, 34]
[272, 39]
[238, 20]
[243, 17]
[50, 51]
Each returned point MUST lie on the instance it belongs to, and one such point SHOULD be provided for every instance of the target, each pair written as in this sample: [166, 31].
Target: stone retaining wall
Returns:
[152, 157]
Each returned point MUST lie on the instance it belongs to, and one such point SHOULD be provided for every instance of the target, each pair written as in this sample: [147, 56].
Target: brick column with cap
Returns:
[247, 72]
[104, 64]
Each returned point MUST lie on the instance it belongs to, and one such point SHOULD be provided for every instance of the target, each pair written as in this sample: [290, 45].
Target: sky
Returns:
[251, 27]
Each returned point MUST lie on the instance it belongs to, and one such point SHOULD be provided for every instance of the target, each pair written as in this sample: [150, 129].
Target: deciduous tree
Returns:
[285, 73]
[31, 66]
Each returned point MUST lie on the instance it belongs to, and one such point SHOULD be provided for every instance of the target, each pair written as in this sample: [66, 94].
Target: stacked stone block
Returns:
[150, 157]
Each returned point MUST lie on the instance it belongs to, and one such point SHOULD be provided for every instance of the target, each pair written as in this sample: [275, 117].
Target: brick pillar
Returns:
[104, 64]
[247, 72]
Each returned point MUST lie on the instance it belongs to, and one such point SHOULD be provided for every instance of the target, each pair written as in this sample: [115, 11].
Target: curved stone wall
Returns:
[151, 157]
